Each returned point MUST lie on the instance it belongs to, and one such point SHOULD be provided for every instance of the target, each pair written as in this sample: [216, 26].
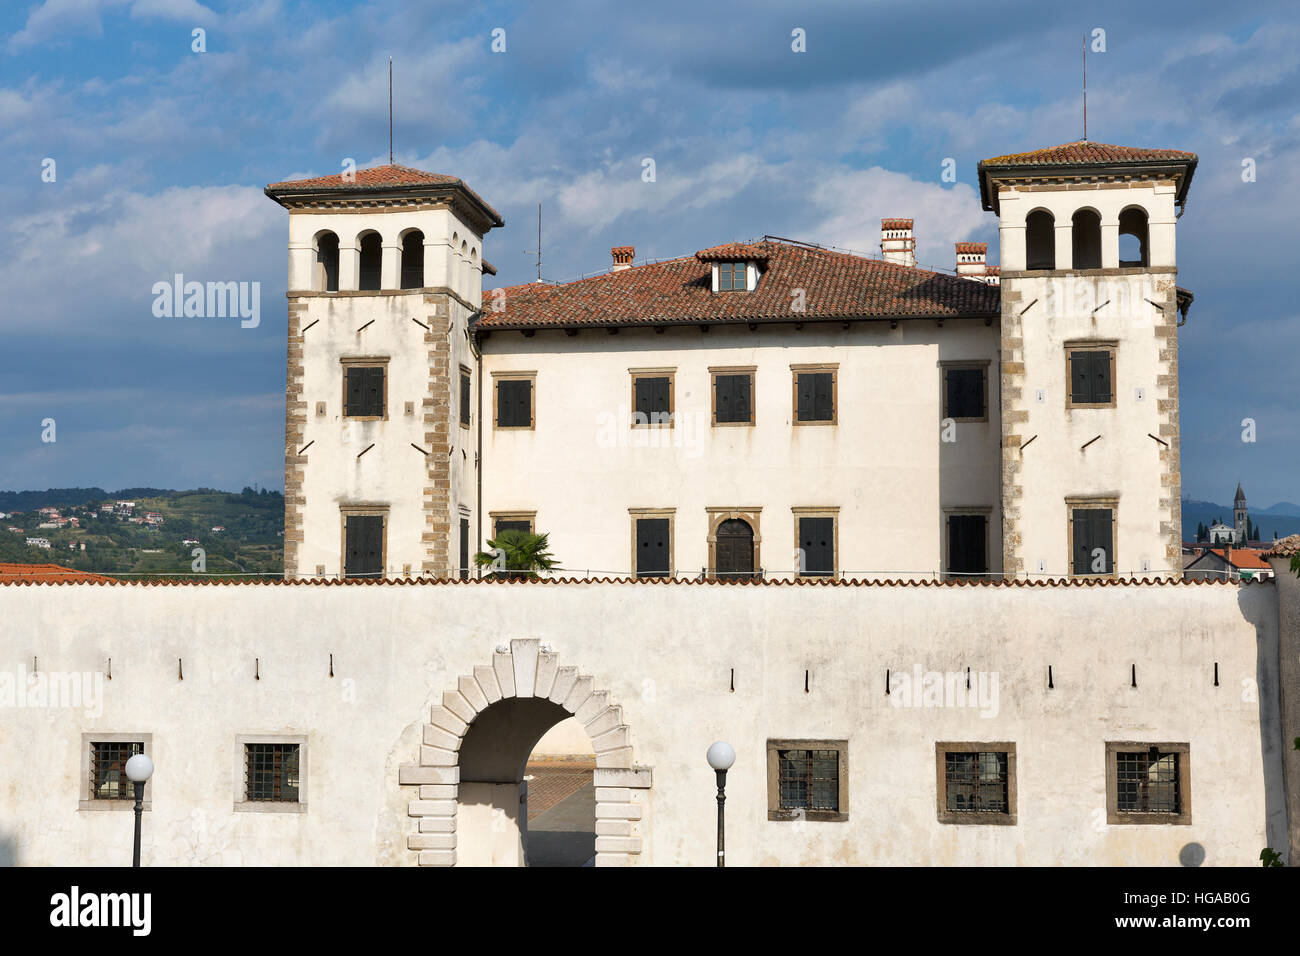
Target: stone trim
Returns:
[1170, 505]
[943, 814]
[1015, 413]
[295, 430]
[439, 427]
[1115, 817]
[525, 670]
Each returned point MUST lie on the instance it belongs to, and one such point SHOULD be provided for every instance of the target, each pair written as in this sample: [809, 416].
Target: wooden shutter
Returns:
[965, 392]
[652, 546]
[652, 400]
[1080, 380]
[505, 525]
[373, 402]
[364, 546]
[514, 403]
[823, 407]
[817, 539]
[967, 544]
[1093, 529]
[1090, 377]
[1101, 384]
[464, 549]
[732, 398]
[355, 382]
[464, 398]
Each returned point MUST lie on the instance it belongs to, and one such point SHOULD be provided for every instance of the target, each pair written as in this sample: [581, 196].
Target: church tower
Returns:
[1240, 521]
[1089, 357]
[385, 270]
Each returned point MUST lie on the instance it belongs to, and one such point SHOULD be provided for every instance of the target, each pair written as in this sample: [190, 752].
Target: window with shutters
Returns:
[731, 277]
[808, 780]
[513, 399]
[365, 388]
[965, 391]
[466, 397]
[1148, 783]
[652, 397]
[1090, 370]
[364, 545]
[966, 546]
[512, 521]
[1092, 523]
[976, 782]
[816, 542]
[814, 394]
[733, 395]
[652, 542]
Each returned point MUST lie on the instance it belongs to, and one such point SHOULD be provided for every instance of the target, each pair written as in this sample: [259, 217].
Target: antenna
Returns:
[390, 111]
[538, 251]
[1085, 87]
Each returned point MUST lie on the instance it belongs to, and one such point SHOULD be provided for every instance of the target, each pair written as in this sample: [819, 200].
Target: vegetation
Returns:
[517, 555]
[250, 543]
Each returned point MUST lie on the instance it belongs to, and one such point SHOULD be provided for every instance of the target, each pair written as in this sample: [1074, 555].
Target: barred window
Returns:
[272, 772]
[108, 779]
[976, 782]
[810, 779]
[1147, 782]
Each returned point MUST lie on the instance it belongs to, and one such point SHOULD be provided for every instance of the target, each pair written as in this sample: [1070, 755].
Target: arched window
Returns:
[372, 259]
[734, 555]
[413, 260]
[1040, 240]
[1086, 239]
[464, 268]
[1133, 250]
[327, 263]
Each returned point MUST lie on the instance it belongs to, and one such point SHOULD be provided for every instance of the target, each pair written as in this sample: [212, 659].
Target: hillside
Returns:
[122, 543]
[1270, 520]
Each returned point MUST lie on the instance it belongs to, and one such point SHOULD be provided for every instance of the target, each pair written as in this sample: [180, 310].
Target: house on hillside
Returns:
[1232, 564]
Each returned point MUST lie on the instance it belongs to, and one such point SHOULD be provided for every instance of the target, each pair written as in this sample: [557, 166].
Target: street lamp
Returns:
[139, 769]
[721, 757]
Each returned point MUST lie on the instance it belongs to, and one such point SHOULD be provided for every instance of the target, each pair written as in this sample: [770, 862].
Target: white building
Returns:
[765, 408]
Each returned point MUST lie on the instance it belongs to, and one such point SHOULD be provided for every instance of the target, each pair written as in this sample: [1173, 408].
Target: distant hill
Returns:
[250, 541]
[1282, 518]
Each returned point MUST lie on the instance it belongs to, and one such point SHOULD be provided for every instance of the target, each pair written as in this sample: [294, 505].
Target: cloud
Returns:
[57, 21]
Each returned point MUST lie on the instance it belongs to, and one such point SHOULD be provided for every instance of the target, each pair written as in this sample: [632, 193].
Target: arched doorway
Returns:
[471, 804]
[735, 549]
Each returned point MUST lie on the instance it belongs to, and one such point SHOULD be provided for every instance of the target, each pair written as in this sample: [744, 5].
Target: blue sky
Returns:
[161, 154]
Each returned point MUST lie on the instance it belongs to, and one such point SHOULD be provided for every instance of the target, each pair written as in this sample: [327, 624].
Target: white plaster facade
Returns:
[368, 674]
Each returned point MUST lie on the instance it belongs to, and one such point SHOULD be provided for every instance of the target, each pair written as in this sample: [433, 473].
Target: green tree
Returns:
[517, 555]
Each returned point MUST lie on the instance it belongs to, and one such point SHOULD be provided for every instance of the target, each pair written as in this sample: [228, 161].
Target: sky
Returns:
[133, 156]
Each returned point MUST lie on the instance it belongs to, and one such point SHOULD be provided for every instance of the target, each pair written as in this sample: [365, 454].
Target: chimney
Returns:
[896, 241]
[623, 256]
[971, 259]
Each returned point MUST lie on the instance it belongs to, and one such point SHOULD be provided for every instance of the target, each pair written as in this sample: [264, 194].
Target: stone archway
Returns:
[525, 672]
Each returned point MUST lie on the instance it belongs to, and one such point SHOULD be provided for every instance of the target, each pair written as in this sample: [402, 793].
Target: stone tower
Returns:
[1239, 517]
[385, 269]
[1089, 352]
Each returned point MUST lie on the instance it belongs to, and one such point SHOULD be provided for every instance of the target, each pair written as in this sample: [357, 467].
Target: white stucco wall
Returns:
[665, 654]
[883, 464]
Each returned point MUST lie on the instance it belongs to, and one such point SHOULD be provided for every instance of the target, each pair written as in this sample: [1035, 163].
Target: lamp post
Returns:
[721, 757]
[139, 769]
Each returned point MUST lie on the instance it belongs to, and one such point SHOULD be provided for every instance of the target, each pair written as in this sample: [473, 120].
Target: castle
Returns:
[764, 408]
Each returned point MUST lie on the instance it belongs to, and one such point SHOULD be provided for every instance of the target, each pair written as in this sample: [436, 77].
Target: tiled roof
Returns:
[972, 248]
[1284, 547]
[836, 285]
[732, 251]
[1243, 558]
[48, 573]
[378, 179]
[1083, 152]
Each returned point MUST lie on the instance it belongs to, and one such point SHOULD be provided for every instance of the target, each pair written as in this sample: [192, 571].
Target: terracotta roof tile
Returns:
[1243, 558]
[736, 250]
[377, 177]
[1284, 547]
[836, 285]
[1083, 152]
[13, 573]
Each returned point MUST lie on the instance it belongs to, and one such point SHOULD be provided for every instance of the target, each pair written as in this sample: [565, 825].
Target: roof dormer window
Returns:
[732, 276]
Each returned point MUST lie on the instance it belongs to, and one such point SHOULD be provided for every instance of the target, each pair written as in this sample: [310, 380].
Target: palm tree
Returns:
[516, 554]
